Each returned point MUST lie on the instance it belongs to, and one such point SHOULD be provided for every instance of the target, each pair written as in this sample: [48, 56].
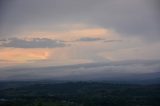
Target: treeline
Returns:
[79, 94]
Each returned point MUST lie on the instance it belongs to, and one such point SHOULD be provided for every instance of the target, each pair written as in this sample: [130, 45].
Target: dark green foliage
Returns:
[78, 94]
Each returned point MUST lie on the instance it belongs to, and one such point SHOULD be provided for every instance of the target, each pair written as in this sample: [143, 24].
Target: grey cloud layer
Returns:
[88, 39]
[34, 43]
[94, 71]
[130, 17]
[113, 41]
[45, 42]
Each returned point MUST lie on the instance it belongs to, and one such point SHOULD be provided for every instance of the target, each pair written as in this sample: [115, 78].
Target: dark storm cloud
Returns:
[33, 43]
[129, 17]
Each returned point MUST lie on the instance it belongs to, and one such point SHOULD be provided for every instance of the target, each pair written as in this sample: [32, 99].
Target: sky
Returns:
[44, 33]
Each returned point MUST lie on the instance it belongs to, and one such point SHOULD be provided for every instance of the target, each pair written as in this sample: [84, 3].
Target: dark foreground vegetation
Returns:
[78, 94]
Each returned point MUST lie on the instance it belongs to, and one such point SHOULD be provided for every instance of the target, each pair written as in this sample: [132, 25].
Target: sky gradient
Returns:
[42, 33]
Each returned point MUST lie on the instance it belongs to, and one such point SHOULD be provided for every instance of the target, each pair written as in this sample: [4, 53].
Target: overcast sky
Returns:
[41, 33]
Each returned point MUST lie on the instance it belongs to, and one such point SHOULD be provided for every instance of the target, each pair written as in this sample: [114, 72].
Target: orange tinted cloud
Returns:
[23, 55]
[72, 34]
[66, 55]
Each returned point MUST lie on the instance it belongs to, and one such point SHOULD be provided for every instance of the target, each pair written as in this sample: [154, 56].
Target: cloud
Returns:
[91, 71]
[17, 55]
[140, 51]
[133, 21]
[131, 18]
[88, 39]
[71, 32]
[113, 41]
[32, 43]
